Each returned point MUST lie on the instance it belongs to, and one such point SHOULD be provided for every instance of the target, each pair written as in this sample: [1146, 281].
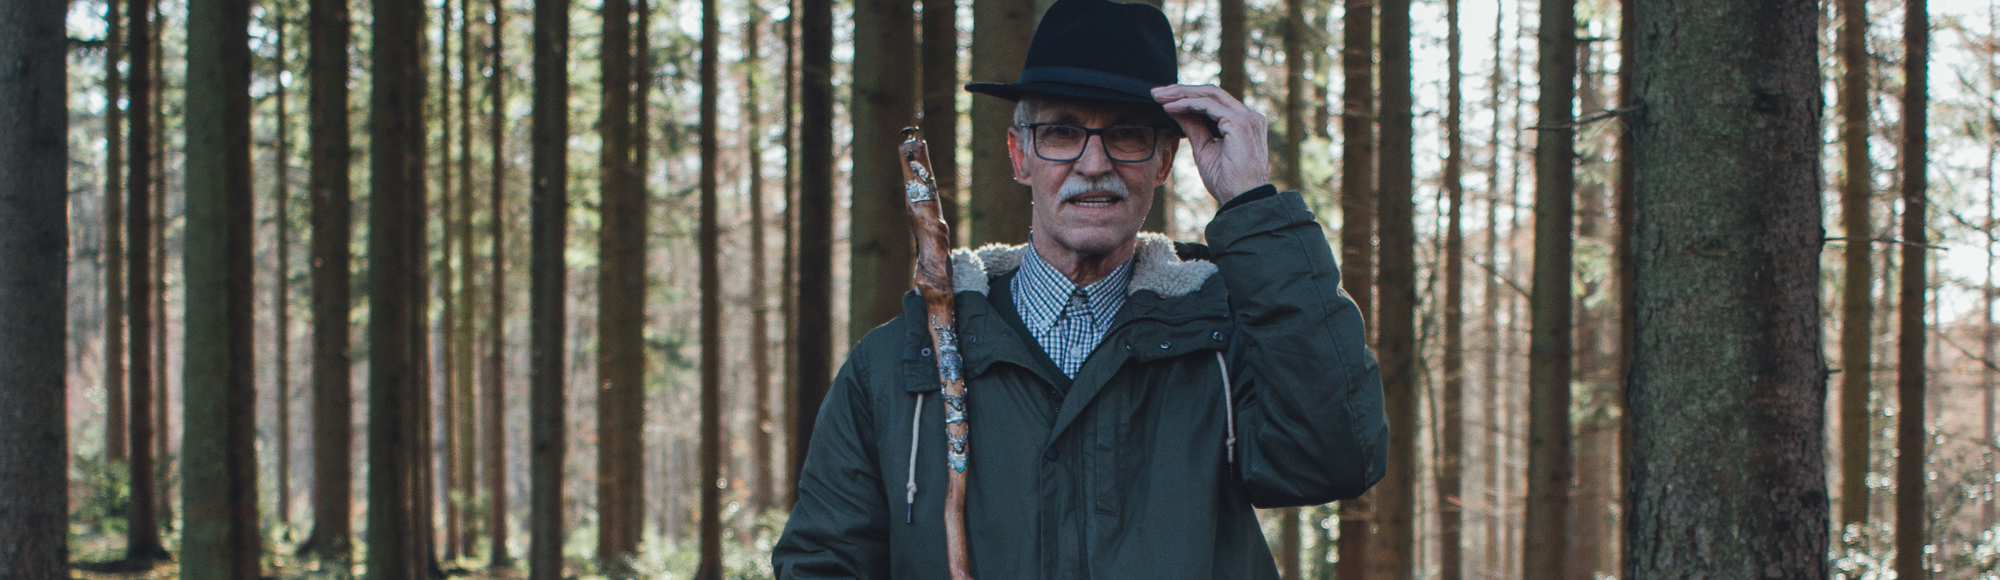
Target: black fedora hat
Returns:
[1096, 49]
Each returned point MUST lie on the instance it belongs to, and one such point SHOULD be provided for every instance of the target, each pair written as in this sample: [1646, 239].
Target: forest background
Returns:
[1472, 158]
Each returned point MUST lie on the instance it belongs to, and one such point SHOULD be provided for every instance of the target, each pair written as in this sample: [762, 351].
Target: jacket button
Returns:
[924, 352]
[972, 338]
[1217, 336]
[1050, 453]
[1166, 345]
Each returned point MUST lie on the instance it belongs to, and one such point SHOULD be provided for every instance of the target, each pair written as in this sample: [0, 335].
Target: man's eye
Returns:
[1062, 132]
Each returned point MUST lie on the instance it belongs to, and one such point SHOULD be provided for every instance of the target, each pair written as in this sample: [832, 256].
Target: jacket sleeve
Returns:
[1311, 426]
[839, 527]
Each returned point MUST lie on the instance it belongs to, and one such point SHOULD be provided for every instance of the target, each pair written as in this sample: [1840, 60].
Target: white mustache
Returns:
[1077, 186]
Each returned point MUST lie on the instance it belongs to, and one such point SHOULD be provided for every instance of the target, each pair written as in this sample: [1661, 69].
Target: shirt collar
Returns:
[1042, 292]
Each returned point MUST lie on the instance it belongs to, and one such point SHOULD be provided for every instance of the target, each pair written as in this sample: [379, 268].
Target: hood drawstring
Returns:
[1228, 407]
[910, 500]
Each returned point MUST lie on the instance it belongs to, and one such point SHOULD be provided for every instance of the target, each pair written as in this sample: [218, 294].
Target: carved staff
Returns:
[933, 281]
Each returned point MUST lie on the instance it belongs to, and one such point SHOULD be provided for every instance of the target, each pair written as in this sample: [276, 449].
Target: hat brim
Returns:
[1014, 92]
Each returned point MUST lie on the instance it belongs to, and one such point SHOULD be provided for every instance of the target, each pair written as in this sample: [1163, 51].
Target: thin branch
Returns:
[1890, 241]
[1988, 363]
[1503, 279]
[1599, 116]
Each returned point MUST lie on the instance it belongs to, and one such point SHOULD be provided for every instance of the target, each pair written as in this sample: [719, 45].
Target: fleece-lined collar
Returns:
[1155, 267]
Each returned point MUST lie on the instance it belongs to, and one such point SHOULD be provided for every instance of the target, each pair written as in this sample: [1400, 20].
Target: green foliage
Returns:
[106, 487]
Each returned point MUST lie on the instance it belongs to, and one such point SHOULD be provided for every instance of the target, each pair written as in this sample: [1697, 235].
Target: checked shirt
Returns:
[1067, 320]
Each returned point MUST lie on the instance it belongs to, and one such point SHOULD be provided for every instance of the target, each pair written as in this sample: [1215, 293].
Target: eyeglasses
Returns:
[1063, 143]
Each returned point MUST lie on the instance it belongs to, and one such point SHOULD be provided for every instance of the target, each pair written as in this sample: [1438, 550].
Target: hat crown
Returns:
[1132, 40]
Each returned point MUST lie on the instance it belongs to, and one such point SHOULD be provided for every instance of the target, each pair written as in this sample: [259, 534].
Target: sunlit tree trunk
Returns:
[34, 234]
[1357, 231]
[460, 495]
[1001, 30]
[447, 324]
[882, 103]
[547, 271]
[493, 403]
[1912, 455]
[760, 310]
[1857, 303]
[142, 518]
[1623, 208]
[1728, 345]
[281, 301]
[1490, 298]
[1395, 496]
[939, 103]
[115, 439]
[711, 305]
[788, 297]
[1229, 49]
[221, 537]
[1550, 459]
[621, 311]
[332, 218]
[1451, 413]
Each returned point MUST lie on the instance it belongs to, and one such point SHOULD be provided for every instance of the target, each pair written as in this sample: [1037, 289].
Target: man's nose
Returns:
[1094, 161]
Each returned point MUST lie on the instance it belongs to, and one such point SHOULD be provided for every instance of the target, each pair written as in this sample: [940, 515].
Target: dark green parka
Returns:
[1127, 471]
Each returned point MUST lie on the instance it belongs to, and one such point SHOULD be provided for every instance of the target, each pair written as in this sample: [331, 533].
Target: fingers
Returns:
[1187, 103]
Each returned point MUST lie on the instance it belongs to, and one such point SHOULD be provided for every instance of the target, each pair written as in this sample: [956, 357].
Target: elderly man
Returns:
[1130, 399]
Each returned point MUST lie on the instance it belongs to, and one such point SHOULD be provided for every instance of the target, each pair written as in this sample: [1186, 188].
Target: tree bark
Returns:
[621, 311]
[463, 485]
[1727, 239]
[547, 272]
[1292, 178]
[940, 97]
[1912, 455]
[1623, 209]
[1550, 460]
[281, 300]
[760, 310]
[814, 362]
[447, 324]
[494, 399]
[142, 519]
[1857, 300]
[1357, 230]
[1230, 51]
[1001, 30]
[1395, 510]
[34, 235]
[221, 537]
[1451, 440]
[395, 443]
[115, 438]
[332, 217]
[788, 297]
[884, 101]
[711, 306]
[1490, 297]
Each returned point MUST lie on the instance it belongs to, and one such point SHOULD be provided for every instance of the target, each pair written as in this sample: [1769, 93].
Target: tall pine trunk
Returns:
[34, 234]
[1230, 51]
[1857, 315]
[1395, 510]
[142, 518]
[621, 312]
[332, 219]
[883, 102]
[1001, 30]
[1728, 342]
[1490, 299]
[281, 300]
[815, 219]
[788, 297]
[1451, 412]
[447, 345]
[1357, 230]
[115, 439]
[1623, 208]
[711, 306]
[760, 309]
[493, 404]
[459, 497]
[395, 374]
[1550, 461]
[939, 103]
[221, 538]
[547, 275]
[1912, 456]
[1293, 177]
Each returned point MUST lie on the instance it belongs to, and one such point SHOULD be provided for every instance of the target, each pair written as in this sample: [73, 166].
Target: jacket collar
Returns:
[1155, 267]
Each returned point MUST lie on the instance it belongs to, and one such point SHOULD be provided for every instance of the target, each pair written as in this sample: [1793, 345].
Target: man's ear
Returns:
[1014, 155]
[1167, 151]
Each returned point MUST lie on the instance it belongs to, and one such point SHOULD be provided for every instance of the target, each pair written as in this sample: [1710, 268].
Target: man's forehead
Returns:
[1097, 112]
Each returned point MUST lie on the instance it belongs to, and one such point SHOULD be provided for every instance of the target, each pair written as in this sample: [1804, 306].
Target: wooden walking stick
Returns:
[933, 281]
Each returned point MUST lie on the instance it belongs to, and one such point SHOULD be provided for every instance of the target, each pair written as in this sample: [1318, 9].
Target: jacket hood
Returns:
[1155, 267]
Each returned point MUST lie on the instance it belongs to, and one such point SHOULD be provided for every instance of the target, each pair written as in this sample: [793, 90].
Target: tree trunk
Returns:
[115, 439]
[1857, 303]
[814, 364]
[221, 537]
[788, 297]
[1395, 510]
[143, 526]
[711, 306]
[621, 313]
[883, 103]
[1623, 209]
[1912, 511]
[1728, 239]
[547, 272]
[1987, 339]
[1451, 468]
[1001, 30]
[494, 401]
[1230, 51]
[459, 497]
[34, 234]
[395, 375]
[162, 448]
[1590, 513]
[1490, 298]
[940, 98]
[760, 310]
[447, 324]
[1357, 230]
[1550, 466]
[332, 217]
[281, 301]
[1292, 178]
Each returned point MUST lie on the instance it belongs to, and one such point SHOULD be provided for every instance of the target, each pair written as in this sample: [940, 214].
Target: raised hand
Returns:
[1226, 137]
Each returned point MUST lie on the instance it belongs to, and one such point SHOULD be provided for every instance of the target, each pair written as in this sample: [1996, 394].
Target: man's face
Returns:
[1093, 205]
